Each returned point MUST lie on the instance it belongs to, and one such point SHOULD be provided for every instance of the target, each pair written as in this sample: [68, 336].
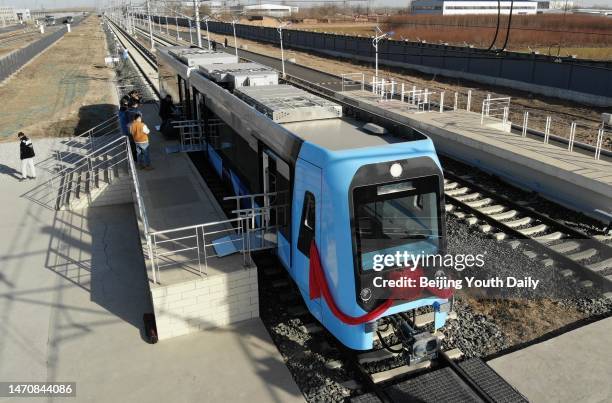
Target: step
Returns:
[533, 230]
[599, 266]
[518, 222]
[583, 255]
[565, 247]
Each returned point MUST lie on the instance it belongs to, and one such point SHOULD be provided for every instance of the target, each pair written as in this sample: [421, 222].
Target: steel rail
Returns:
[582, 271]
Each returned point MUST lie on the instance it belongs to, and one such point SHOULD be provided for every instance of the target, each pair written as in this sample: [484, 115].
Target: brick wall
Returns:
[206, 303]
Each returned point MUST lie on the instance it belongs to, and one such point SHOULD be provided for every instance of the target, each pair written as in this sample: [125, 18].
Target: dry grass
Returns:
[569, 32]
[522, 321]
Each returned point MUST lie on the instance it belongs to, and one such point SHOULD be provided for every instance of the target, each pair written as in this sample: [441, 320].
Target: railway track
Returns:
[585, 258]
[333, 82]
[378, 375]
[381, 374]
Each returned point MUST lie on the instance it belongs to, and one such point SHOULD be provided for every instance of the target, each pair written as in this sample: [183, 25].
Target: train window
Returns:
[396, 217]
[307, 224]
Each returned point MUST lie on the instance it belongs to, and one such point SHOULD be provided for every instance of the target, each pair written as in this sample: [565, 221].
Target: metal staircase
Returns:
[83, 168]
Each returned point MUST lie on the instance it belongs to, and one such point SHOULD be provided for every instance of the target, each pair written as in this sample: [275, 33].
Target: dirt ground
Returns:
[347, 28]
[544, 316]
[62, 92]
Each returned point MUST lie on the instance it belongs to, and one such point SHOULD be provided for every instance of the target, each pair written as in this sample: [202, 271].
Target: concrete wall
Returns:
[206, 303]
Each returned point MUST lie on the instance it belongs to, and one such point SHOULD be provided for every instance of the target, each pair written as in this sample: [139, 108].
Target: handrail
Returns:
[208, 224]
[75, 163]
[92, 129]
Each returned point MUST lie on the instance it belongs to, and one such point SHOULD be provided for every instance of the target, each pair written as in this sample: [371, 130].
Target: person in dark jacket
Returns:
[225, 44]
[166, 109]
[26, 153]
[135, 96]
[214, 46]
[123, 116]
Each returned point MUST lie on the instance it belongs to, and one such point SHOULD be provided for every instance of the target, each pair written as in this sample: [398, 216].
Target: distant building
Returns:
[560, 5]
[555, 5]
[23, 14]
[459, 7]
[7, 15]
[270, 10]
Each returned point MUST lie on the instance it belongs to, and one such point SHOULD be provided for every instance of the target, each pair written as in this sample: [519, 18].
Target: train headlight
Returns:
[396, 170]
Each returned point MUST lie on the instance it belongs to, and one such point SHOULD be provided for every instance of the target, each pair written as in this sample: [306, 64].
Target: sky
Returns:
[36, 4]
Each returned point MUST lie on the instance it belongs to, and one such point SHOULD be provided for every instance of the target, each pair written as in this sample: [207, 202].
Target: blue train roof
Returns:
[342, 134]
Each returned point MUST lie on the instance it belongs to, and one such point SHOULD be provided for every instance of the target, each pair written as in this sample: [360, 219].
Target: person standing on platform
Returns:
[131, 113]
[135, 96]
[226, 42]
[26, 153]
[140, 134]
[123, 116]
[166, 109]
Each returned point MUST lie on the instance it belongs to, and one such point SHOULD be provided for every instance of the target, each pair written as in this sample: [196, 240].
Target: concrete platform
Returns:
[73, 289]
[573, 367]
[572, 179]
[191, 293]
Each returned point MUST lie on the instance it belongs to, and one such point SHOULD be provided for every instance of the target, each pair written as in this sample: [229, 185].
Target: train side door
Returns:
[306, 226]
[275, 184]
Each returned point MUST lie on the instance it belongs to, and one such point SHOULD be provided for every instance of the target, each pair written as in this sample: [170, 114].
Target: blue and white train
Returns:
[354, 191]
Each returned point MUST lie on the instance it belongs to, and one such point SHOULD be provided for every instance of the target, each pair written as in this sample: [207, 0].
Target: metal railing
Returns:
[191, 134]
[192, 247]
[352, 81]
[498, 108]
[196, 243]
[84, 174]
[77, 146]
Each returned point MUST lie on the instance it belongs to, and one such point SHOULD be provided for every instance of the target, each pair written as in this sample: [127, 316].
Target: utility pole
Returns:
[206, 19]
[178, 37]
[150, 26]
[280, 33]
[196, 4]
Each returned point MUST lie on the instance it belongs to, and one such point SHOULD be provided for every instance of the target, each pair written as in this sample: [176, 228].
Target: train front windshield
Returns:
[396, 217]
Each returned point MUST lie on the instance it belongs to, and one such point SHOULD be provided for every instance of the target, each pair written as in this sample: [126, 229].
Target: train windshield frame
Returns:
[400, 216]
